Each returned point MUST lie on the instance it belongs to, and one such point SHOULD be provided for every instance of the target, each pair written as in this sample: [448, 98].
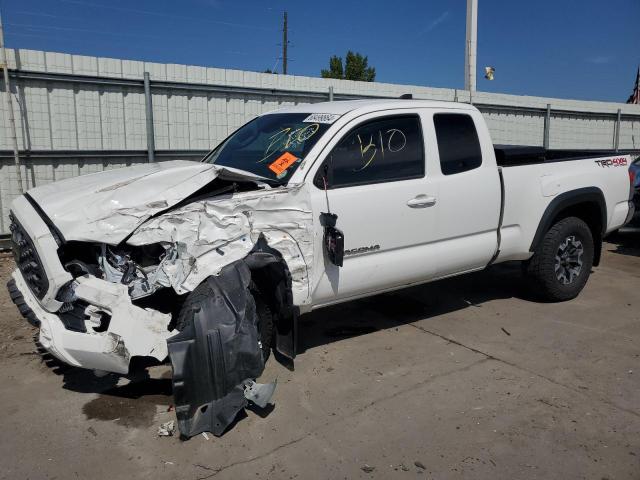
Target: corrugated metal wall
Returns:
[79, 114]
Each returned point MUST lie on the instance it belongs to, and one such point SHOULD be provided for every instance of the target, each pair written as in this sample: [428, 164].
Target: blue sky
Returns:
[585, 49]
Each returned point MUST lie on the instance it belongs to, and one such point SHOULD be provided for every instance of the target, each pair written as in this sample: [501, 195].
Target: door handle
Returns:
[422, 201]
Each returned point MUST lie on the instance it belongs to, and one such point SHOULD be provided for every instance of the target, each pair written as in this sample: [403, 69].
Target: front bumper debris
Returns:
[132, 331]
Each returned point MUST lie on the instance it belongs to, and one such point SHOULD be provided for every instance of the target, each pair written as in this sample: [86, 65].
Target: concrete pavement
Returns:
[468, 377]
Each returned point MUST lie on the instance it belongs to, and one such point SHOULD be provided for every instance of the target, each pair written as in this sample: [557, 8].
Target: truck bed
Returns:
[535, 177]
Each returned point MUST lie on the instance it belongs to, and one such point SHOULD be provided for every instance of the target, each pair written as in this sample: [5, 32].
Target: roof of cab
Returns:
[341, 107]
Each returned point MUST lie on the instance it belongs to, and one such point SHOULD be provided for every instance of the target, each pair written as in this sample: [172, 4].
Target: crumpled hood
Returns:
[108, 206]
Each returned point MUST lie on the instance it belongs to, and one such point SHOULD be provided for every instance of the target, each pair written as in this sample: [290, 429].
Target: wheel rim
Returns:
[569, 260]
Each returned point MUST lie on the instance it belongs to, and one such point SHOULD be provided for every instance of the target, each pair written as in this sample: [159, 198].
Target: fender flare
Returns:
[569, 199]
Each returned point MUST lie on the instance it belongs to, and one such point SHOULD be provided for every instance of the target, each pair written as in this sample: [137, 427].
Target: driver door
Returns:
[378, 186]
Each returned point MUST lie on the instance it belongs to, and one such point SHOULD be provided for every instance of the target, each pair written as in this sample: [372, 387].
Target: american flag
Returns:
[635, 96]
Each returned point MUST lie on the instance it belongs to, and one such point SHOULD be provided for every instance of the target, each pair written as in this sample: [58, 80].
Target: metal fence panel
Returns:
[78, 114]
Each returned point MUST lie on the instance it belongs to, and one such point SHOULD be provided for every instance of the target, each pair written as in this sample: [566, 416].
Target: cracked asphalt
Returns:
[464, 378]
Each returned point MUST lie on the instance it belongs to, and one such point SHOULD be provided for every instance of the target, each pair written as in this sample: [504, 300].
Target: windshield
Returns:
[271, 146]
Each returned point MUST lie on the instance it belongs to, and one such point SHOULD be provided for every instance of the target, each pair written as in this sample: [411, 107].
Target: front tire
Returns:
[561, 264]
[265, 325]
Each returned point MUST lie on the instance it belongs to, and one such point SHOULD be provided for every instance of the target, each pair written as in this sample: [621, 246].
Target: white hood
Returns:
[108, 206]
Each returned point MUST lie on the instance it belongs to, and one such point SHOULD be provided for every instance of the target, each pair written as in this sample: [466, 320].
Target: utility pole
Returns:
[12, 121]
[285, 43]
[471, 47]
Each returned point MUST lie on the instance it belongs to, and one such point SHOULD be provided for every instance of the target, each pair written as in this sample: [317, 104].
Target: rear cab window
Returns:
[458, 143]
[386, 149]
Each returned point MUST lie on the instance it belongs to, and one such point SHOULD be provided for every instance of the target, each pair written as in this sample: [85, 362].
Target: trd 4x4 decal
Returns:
[612, 162]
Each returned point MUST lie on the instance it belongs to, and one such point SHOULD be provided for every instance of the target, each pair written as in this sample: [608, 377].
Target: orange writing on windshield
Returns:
[283, 162]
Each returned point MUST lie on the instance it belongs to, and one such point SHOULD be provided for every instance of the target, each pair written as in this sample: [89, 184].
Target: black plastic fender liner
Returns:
[216, 353]
[272, 275]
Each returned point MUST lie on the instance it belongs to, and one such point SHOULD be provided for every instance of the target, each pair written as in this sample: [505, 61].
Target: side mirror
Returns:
[333, 239]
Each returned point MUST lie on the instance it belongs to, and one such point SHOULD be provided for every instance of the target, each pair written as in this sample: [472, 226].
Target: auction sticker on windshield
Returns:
[321, 118]
[284, 161]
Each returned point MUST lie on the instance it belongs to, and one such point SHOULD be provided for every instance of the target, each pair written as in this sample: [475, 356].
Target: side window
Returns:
[458, 143]
[384, 150]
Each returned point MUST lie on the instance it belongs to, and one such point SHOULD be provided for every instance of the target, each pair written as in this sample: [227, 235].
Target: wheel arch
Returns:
[587, 204]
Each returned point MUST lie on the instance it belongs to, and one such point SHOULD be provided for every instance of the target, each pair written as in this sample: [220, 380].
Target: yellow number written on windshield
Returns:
[288, 139]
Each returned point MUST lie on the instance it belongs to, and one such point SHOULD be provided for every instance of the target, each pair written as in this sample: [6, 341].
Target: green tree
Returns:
[356, 67]
[335, 68]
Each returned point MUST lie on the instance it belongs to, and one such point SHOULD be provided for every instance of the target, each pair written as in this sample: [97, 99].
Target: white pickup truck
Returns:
[210, 263]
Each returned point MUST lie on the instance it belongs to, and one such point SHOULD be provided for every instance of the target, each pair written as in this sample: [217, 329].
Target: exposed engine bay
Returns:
[135, 267]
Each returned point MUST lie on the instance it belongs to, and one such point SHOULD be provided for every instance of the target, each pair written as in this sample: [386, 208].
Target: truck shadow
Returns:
[134, 401]
[390, 310]
[137, 402]
[626, 241]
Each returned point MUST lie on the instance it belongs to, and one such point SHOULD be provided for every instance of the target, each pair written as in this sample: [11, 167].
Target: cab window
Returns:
[458, 143]
[382, 150]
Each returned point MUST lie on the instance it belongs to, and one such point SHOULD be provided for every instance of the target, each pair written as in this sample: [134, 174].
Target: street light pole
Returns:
[471, 47]
[12, 121]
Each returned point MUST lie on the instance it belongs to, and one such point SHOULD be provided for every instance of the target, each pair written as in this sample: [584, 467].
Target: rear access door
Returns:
[469, 190]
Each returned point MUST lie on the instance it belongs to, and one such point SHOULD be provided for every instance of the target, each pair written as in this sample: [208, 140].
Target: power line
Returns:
[84, 30]
[275, 65]
[47, 15]
[165, 15]
[47, 28]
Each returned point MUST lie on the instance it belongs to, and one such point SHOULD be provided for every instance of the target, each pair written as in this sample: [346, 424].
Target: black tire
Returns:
[557, 276]
[265, 325]
[203, 292]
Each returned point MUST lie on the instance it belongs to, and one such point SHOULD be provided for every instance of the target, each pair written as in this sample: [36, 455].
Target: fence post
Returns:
[151, 143]
[12, 121]
[616, 139]
[331, 94]
[547, 126]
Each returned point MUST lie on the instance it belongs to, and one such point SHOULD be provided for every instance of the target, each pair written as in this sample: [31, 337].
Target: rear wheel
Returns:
[561, 265]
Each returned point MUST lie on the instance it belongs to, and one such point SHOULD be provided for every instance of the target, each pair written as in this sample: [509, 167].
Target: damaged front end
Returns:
[97, 325]
[85, 319]
[124, 286]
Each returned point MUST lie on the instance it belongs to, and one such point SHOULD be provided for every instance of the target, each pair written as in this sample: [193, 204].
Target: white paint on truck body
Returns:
[454, 229]
[525, 199]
